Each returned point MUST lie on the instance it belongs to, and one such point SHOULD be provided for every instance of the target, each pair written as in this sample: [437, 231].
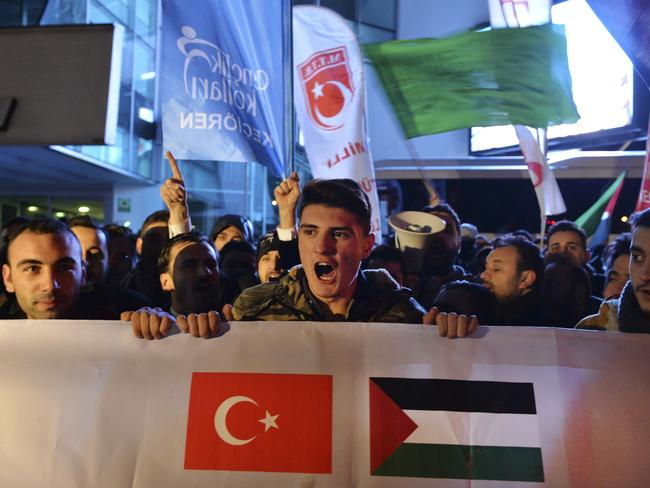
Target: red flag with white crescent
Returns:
[260, 422]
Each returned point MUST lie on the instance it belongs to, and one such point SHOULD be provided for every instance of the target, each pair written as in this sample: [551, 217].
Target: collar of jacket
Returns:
[523, 310]
[294, 293]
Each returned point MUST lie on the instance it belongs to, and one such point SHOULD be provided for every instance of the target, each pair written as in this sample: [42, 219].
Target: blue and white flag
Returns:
[222, 83]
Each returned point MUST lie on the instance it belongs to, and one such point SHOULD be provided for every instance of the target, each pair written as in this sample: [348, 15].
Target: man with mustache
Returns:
[514, 272]
[630, 312]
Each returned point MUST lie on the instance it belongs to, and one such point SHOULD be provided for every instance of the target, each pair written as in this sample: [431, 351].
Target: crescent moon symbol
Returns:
[220, 420]
[335, 121]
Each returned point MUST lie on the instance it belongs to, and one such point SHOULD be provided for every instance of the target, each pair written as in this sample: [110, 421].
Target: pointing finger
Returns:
[176, 172]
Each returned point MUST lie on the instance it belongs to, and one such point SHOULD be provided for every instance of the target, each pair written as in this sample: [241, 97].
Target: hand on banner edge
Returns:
[149, 323]
[206, 325]
[451, 325]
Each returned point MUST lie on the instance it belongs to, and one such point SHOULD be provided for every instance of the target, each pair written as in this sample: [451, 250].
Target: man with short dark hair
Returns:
[44, 269]
[94, 247]
[630, 312]
[513, 273]
[46, 273]
[568, 238]
[189, 271]
[333, 238]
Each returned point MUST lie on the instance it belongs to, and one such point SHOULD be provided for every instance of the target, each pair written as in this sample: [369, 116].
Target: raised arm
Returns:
[174, 195]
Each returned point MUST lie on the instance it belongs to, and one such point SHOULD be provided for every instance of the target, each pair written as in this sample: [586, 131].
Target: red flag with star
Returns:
[260, 422]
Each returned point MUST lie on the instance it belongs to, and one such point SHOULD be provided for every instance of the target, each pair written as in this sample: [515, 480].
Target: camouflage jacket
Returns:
[378, 298]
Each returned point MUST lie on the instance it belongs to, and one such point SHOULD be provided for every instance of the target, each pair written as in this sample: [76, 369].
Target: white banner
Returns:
[321, 405]
[330, 100]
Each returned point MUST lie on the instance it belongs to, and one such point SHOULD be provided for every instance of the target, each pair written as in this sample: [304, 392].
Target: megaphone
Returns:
[412, 232]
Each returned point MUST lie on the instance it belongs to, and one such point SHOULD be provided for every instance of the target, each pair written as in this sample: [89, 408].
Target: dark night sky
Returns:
[506, 205]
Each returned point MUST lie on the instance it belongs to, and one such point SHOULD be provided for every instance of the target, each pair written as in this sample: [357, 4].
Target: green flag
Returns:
[496, 77]
[591, 218]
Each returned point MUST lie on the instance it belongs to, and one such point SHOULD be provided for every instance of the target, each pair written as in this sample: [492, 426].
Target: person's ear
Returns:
[588, 254]
[138, 246]
[166, 282]
[6, 276]
[527, 279]
[369, 242]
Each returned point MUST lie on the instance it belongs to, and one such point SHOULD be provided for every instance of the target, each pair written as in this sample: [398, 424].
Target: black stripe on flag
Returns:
[459, 395]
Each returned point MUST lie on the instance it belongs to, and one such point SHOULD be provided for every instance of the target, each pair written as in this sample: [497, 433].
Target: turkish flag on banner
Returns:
[260, 422]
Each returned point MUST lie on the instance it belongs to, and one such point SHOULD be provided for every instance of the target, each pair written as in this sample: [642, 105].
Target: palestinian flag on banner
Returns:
[438, 428]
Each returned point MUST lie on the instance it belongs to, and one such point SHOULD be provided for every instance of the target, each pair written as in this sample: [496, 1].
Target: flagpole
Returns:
[543, 146]
[288, 91]
[431, 189]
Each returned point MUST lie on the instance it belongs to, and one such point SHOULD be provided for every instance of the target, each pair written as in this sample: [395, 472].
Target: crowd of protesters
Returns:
[320, 264]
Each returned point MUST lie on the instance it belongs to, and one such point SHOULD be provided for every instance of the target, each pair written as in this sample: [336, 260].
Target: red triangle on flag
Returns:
[389, 426]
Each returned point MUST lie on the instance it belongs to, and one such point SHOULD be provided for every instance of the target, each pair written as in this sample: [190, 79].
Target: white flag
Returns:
[524, 13]
[548, 193]
[330, 100]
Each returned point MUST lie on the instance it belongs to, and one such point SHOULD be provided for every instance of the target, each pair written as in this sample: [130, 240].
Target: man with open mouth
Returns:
[333, 239]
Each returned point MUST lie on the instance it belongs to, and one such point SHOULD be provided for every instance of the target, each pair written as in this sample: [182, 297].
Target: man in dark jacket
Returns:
[514, 273]
[189, 271]
[46, 273]
[333, 238]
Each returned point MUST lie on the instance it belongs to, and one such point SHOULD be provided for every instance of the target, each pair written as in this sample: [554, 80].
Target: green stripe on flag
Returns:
[464, 462]
[497, 77]
[591, 218]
